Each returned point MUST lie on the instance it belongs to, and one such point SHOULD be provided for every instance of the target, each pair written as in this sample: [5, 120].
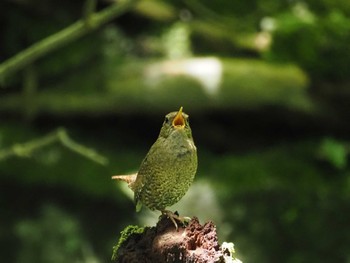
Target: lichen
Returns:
[124, 235]
[228, 251]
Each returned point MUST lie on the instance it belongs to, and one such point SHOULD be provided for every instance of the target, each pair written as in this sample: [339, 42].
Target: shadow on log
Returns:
[163, 243]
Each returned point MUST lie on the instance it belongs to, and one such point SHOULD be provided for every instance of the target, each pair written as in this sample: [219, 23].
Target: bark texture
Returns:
[163, 243]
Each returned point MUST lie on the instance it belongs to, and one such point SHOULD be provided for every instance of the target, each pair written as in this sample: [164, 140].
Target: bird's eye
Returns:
[166, 120]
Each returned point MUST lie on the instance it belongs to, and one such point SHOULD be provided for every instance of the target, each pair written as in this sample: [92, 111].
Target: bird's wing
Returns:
[145, 172]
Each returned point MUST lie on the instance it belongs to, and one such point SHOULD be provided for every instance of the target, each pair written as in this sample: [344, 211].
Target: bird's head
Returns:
[176, 121]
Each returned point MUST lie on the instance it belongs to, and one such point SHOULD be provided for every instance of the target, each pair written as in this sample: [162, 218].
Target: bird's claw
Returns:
[173, 216]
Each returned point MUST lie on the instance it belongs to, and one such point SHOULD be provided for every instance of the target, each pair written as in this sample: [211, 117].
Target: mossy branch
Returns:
[26, 149]
[89, 22]
[88, 10]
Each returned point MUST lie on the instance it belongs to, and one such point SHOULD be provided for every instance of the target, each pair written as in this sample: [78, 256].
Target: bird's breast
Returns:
[167, 172]
[186, 148]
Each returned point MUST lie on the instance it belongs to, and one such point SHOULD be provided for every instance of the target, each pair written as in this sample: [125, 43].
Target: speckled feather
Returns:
[168, 169]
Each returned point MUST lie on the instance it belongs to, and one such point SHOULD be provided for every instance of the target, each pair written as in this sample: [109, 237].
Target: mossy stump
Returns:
[194, 243]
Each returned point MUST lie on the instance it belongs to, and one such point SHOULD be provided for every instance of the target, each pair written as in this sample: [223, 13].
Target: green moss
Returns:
[124, 235]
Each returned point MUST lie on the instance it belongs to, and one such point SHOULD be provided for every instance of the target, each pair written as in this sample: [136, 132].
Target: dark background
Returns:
[273, 139]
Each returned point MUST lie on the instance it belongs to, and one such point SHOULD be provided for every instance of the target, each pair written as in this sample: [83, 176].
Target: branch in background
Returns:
[63, 37]
[220, 20]
[30, 86]
[80, 149]
[88, 11]
[26, 149]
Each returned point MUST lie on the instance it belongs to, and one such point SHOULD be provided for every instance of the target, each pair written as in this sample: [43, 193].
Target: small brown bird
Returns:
[168, 169]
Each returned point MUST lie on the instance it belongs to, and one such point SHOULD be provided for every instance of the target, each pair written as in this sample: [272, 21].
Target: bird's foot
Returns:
[174, 216]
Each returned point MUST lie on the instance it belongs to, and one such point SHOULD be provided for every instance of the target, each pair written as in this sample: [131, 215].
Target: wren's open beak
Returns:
[179, 121]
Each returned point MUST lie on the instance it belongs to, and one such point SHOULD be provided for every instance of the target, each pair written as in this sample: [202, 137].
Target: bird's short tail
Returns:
[130, 179]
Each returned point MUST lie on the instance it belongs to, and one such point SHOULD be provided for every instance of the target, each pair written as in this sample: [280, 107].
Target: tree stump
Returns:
[194, 243]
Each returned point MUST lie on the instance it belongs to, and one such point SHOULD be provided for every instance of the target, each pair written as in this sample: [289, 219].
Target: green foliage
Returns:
[53, 237]
[334, 152]
[124, 235]
[314, 41]
[283, 195]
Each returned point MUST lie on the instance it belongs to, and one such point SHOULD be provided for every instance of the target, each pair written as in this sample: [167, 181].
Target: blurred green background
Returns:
[266, 84]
